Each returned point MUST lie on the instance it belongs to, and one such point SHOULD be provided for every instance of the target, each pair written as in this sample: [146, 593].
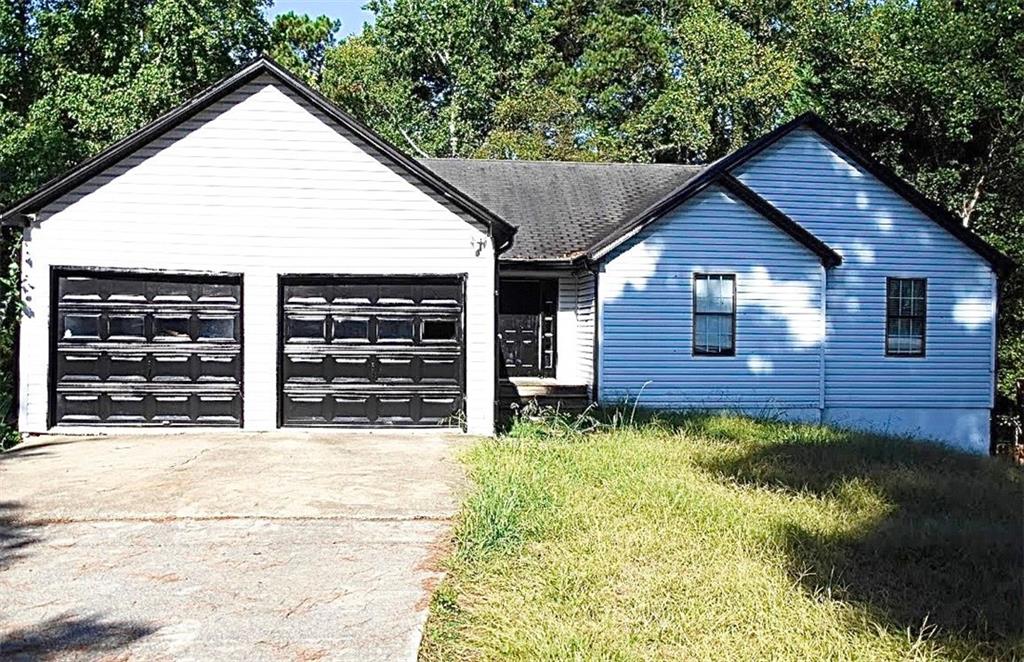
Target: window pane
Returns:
[713, 294]
[701, 338]
[81, 326]
[306, 328]
[120, 326]
[394, 329]
[438, 330]
[217, 328]
[351, 329]
[171, 328]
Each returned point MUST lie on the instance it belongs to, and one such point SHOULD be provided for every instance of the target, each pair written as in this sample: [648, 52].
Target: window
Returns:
[217, 328]
[906, 304]
[714, 315]
[305, 328]
[124, 327]
[438, 330]
[395, 330]
[81, 326]
[351, 329]
[172, 328]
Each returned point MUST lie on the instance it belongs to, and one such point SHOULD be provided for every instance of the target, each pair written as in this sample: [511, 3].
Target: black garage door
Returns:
[145, 349]
[371, 351]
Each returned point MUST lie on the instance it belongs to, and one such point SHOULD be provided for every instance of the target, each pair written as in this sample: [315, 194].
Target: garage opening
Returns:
[371, 351]
[146, 349]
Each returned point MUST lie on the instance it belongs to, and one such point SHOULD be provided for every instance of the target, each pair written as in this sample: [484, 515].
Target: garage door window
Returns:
[351, 330]
[78, 327]
[439, 330]
[395, 330]
[217, 328]
[306, 328]
[127, 327]
[174, 329]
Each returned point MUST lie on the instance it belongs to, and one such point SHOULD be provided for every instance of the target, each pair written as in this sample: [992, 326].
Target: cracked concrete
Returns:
[303, 546]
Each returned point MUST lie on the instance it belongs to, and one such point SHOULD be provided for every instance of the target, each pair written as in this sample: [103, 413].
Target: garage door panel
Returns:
[149, 349]
[370, 351]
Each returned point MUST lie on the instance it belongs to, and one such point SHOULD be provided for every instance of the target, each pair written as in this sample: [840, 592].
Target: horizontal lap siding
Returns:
[645, 292]
[879, 234]
[260, 184]
[585, 326]
[576, 328]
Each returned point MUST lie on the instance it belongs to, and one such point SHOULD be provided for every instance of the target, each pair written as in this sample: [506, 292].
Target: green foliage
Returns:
[76, 76]
[301, 43]
[708, 536]
[10, 309]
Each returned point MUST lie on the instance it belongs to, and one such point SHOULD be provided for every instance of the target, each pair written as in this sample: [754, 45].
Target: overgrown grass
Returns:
[728, 538]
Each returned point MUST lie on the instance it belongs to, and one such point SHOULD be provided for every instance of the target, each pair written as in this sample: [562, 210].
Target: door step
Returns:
[567, 398]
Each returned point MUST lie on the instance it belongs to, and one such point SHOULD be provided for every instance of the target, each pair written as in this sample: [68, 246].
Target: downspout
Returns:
[996, 296]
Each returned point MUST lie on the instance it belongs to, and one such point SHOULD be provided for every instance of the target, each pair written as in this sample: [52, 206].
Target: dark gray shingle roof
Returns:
[561, 208]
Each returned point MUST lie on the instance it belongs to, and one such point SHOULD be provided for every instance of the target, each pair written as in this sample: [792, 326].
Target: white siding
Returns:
[585, 317]
[879, 234]
[575, 332]
[645, 303]
[263, 184]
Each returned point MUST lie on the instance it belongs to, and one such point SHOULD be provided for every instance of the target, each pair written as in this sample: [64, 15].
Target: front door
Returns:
[526, 327]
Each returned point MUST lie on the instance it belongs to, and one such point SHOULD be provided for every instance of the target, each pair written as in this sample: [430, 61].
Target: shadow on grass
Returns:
[947, 551]
[71, 634]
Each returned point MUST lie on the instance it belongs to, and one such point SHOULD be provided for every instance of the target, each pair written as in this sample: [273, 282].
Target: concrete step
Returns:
[569, 398]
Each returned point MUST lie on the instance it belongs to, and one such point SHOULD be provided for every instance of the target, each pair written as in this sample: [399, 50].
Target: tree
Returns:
[301, 43]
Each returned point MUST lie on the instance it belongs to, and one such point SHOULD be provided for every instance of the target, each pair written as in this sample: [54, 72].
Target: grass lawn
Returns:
[726, 538]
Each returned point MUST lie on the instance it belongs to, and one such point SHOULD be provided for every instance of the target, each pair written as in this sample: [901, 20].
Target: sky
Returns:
[349, 12]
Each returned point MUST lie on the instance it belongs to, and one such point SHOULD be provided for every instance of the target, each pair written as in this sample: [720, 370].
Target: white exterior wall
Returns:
[586, 317]
[261, 184]
[946, 395]
[646, 323]
[575, 331]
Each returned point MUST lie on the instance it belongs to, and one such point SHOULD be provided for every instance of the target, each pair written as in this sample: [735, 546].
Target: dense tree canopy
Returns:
[934, 88]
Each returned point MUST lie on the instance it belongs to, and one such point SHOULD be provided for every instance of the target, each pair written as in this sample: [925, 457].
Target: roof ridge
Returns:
[564, 162]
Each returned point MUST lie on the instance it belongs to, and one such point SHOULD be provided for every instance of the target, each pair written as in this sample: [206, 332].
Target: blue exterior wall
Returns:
[645, 313]
[948, 393]
[798, 355]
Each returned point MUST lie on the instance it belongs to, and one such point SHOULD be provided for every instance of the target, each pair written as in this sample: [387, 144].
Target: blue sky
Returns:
[349, 12]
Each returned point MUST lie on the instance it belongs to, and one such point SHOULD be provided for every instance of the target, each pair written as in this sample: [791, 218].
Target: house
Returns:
[257, 258]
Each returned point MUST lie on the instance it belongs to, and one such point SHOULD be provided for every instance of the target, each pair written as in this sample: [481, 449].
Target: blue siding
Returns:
[879, 234]
[645, 308]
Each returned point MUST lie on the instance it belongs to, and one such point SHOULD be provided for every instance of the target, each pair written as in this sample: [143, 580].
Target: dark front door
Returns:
[369, 351]
[146, 349]
[526, 327]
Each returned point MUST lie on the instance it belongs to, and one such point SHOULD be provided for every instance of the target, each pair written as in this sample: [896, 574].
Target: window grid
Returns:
[714, 314]
[906, 304]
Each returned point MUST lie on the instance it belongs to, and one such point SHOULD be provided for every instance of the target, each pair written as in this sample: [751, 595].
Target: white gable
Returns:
[260, 183]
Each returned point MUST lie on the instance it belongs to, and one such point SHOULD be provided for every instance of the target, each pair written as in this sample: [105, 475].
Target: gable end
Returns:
[17, 214]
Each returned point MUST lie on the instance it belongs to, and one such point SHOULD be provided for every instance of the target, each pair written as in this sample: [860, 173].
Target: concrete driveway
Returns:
[222, 546]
